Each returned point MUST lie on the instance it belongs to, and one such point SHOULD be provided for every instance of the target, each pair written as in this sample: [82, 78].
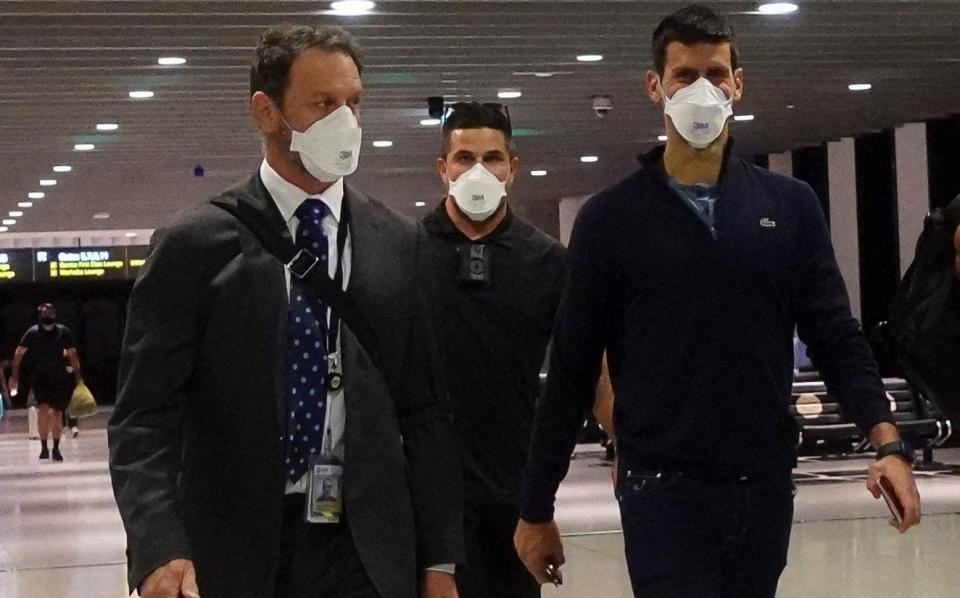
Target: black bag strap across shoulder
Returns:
[304, 266]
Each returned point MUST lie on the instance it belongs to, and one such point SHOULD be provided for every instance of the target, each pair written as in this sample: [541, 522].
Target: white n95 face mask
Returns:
[330, 148]
[699, 112]
[478, 192]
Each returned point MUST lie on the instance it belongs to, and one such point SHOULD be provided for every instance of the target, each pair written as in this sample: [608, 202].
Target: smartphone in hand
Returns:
[890, 497]
[554, 575]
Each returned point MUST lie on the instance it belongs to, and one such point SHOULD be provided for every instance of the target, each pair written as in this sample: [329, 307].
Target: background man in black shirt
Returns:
[693, 274]
[51, 356]
[498, 282]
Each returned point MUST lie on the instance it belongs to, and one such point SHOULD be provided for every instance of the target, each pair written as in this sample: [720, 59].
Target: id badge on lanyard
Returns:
[324, 490]
[325, 472]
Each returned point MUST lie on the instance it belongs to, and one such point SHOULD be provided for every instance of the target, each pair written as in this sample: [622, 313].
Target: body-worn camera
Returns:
[474, 264]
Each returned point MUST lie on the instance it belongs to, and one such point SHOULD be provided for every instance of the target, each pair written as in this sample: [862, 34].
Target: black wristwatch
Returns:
[901, 448]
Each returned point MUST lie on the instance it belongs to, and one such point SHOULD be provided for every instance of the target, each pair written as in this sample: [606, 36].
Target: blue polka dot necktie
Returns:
[306, 350]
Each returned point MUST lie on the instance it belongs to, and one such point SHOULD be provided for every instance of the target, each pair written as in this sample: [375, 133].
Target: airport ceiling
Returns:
[67, 66]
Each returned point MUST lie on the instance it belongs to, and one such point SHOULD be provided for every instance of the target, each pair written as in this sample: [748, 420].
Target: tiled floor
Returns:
[60, 535]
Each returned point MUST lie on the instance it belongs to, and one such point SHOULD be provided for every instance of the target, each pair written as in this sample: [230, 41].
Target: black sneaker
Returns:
[57, 456]
[44, 454]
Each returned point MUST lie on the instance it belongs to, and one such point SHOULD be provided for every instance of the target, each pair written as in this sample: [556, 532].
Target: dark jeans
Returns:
[687, 537]
[493, 569]
[318, 560]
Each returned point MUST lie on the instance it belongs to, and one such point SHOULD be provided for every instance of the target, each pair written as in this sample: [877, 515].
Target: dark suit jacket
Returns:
[196, 437]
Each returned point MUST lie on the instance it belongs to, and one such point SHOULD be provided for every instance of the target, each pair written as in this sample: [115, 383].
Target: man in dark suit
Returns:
[235, 382]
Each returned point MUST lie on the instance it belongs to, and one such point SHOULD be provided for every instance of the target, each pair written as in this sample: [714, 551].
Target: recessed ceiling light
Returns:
[420, 204]
[47, 182]
[36, 195]
[590, 58]
[141, 95]
[538, 173]
[63, 168]
[101, 216]
[790, 107]
[84, 147]
[383, 143]
[541, 74]
[430, 122]
[589, 159]
[171, 61]
[860, 87]
[131, 235]
[8, 222]
[662, 138]
[509, 94]
[3, 229]
[778, 8]
[743, 117]
[352, 7]
[25, 204]
[108, 127]
[16, 214]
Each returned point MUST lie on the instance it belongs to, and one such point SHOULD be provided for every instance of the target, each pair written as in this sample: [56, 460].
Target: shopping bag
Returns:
[82, 403]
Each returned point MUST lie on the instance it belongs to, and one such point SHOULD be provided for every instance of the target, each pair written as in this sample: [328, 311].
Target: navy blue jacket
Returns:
[699, 329]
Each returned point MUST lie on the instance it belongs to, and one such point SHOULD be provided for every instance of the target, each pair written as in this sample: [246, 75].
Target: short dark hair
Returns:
[694, 24]
[278, 47]
[474, 115]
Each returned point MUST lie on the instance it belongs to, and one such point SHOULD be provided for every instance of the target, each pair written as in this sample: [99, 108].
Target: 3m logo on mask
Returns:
[477, 197]
[697, 126]
[346, 155]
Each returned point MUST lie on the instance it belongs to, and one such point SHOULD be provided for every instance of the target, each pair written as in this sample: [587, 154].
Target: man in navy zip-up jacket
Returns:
[693, 274]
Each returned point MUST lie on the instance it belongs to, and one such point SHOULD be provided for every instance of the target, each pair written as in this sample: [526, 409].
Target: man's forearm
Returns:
[75, 364]
[15, 368]
[603, 407]
[883, 433]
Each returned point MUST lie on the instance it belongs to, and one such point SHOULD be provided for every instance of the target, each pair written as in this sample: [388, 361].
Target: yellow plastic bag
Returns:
[82, 403]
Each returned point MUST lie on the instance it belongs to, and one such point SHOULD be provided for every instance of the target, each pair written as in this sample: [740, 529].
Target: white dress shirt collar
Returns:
[288, 196]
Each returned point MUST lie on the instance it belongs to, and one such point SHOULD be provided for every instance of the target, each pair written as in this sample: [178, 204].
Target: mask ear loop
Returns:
[667, 100]
[280, 112]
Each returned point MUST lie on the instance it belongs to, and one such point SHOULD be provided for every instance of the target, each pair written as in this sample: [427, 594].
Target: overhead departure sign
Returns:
[16, 265]
[105, 263]
[136, 258]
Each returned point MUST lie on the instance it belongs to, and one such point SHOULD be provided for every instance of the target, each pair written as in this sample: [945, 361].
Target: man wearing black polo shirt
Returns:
[51, 356]
[693, 273]
[498, 282]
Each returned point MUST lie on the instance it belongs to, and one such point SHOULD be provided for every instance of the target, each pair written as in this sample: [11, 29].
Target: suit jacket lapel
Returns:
[364, 231]
[253, 198]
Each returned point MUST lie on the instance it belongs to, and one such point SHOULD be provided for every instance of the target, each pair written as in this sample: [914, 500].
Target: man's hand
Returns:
[176, 579]
[956, 250]
[539, 545]
[437, 584]
[900, 475]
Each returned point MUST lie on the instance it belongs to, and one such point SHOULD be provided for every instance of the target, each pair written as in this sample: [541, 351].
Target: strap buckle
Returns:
[302, 263]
